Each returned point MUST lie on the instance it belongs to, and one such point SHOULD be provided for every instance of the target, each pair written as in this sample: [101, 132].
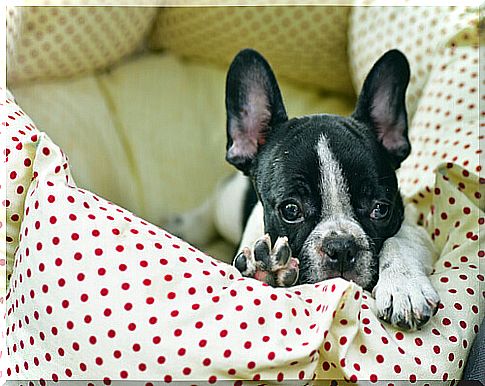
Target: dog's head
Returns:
[326, 182]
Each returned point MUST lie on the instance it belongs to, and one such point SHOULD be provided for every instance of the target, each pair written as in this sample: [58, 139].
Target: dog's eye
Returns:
[291, 212]
[380, 211]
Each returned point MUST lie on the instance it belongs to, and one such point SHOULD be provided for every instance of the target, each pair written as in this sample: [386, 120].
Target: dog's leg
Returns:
[264, 262]
[221, 214]
[195, 226]
[229, 207]
[404, 294]
[254, 229]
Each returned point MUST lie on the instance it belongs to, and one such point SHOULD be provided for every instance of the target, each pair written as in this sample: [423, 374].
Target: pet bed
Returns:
[99, 293]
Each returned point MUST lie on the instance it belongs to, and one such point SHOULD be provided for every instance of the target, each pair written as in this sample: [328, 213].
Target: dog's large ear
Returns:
[253, 106]
[382, 104]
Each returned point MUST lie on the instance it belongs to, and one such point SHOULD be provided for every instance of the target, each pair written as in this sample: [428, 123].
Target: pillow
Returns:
[306, 44]
[445, 127]
[441, 44]
[99, 293]
[21, 141]
[420, 32]
[52, 42]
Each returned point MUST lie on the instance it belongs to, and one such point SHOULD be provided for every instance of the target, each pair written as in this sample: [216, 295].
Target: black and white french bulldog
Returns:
[321, 191]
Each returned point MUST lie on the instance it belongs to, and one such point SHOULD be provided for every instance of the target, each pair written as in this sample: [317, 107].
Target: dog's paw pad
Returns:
[272, 265]
[262, 252]
[407, 303]
[288, 276]
[281, 253]
[244, 263]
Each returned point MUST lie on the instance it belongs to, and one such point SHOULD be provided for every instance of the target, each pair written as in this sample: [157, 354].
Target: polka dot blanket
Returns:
[98, 293]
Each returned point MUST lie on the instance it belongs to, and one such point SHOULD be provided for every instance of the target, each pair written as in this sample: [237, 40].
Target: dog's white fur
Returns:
[333, 187]
[405, 263]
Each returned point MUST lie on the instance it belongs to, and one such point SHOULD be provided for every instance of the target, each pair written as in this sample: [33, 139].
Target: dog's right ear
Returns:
[382, 104]
[253, 106]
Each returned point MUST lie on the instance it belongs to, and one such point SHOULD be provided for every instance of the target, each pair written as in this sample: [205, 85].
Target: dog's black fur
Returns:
[281, 158]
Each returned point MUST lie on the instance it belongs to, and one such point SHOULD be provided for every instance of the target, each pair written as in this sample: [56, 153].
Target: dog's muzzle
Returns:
[338, 248]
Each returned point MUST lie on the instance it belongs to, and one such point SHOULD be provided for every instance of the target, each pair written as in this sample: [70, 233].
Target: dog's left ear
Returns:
[382, 104]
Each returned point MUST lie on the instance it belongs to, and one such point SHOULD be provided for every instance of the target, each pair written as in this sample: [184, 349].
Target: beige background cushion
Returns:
[46, 42]
[304, 44]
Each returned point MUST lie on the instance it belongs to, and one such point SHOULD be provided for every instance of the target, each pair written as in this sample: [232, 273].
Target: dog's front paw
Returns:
[405, 302]
[272, 265]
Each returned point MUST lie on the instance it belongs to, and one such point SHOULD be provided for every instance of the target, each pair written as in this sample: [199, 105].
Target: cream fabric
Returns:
[18, 173]
[419, 32]
[98, 293]
[445, 127]
[52, 42]
[304, 44]
[441, 44]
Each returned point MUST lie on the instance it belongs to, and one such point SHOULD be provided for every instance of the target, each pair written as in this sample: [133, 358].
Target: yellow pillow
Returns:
[51, 42]
[306, 44]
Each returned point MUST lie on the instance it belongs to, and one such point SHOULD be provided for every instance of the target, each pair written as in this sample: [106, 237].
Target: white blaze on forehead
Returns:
[333, 186]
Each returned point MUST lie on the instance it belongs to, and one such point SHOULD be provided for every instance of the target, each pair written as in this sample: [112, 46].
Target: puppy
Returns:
[322, 191]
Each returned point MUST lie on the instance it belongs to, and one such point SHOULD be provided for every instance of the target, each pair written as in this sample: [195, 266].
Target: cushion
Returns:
[19, 166]
[304, 44]
[445, 127]
[441, 44]
[47, 42]
[100, 293]
[419, 32]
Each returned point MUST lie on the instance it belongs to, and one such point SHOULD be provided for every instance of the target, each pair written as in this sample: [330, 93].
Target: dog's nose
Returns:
[341, 251]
